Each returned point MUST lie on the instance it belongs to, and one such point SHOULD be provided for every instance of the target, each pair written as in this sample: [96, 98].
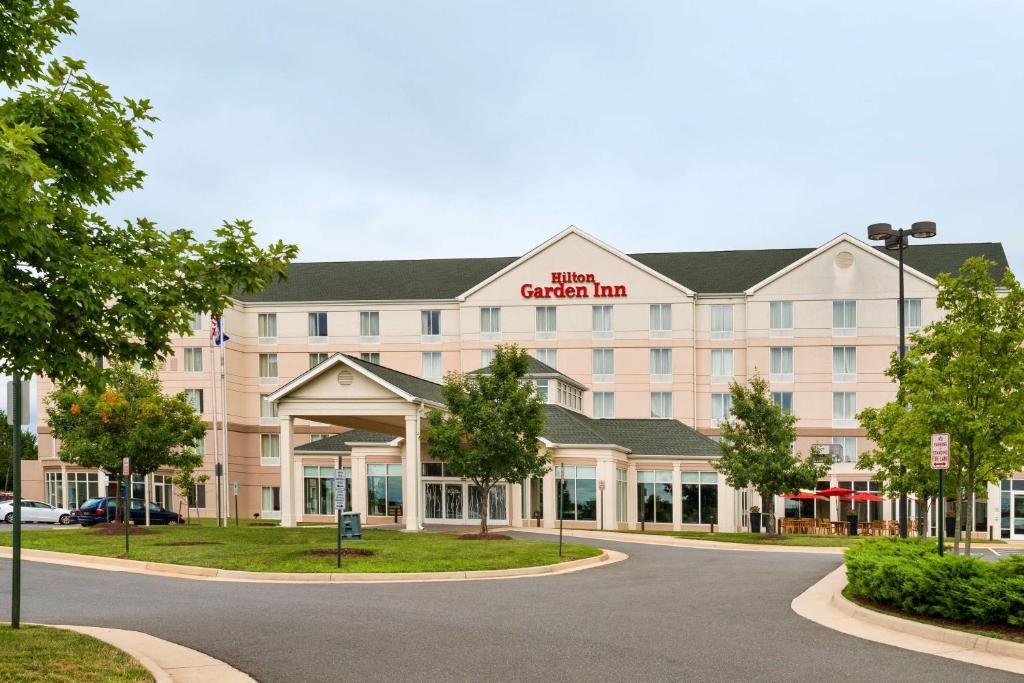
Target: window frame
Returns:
[268, 362]
[606, 364]
[266, 322]
[604, 405]
[658, 399]
[270, 438]
[430, 325]
[728, 315]
[546, 322]
[844, 377]
[660, 321]
[722, 353]
[777, 372]
[785, 309]
[844, 330]
[316, 327]
[602, 321]
[369, 327]
[490, 323]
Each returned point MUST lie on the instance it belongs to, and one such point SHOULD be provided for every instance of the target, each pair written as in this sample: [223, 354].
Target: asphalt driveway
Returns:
[665, 614]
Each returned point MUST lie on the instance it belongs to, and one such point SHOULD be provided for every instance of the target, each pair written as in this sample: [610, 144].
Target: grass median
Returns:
[38, 653]
[279, 549]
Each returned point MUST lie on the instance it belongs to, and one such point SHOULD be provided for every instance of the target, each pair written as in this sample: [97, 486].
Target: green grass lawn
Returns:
[279, 549]
[38, 653]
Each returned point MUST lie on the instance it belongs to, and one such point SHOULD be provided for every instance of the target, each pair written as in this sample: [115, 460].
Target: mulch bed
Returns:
[111, 529]
[477, 536]
[345, 552]
[1004, 631]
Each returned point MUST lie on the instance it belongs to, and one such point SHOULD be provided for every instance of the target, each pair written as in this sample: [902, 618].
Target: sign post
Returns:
[940, 462]
[126, 510]
[17, 415]
[339, 501]
[235, 486]
[561, 516]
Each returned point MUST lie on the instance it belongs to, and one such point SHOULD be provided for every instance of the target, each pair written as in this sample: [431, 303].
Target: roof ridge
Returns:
[378, 365]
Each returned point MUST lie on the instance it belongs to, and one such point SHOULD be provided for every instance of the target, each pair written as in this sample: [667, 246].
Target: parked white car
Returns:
[35, 511]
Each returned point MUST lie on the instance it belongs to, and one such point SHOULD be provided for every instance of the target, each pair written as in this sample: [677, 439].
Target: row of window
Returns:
[844, 321]
[577, 495]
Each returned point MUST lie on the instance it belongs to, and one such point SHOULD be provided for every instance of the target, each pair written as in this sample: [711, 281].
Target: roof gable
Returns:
[398, 383]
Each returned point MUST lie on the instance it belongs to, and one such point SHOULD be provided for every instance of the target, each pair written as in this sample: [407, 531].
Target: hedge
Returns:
[910, 575]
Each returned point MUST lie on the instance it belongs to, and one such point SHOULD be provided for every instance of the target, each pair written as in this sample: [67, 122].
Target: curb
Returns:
[672, 541]
[825, 604]
[180, 571]
[167, 661]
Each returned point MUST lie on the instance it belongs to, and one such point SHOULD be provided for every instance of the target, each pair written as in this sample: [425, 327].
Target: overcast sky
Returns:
[410, 130]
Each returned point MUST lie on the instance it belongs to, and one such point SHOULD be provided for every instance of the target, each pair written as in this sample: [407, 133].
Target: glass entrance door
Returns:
[460, 503]
[1018, 516]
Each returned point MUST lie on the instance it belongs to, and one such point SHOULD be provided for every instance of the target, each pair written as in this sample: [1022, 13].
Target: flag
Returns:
[217, 332]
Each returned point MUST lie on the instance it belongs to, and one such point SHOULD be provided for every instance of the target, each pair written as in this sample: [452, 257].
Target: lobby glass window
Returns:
[911, 314]
[270, 499]
[195, 399]
[604, 404]
[198, 322]
[721, 321]
[721, 366]
[542, 389]
[844, 318]
[268, 366]
[197, 498]
[81, 487]
[721, 408]
[372, 357]
[490, 322]
[548, 357]
[847, 448]
[268, 409]
[162, 490]
[621, 495]
[54, 489]
[432, 366]
[383, 488]
[547, 322]
[193, 359]
[654, 490]
[267, 327]
[844, 363]
[844, 409]
[700, 497]
[369, 326]
[318, 490]
[270, 449]
[430, 323]
[661, 365]
[661, 404]
[486, 356]
[318, 324]
[604, 365]
[784, 400]
[661, 320]
[780, 319]
[498, 502]
[578, 493]
[601, 322]
[316, 359]
[780, 364]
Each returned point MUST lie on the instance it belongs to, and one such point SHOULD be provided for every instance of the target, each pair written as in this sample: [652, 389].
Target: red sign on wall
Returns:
[572, 285]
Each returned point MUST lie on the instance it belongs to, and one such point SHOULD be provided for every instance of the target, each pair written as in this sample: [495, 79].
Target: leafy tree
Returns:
[72, 286]
[29, 451]
[491, 428]
[130, 417]
[757, 448]
[964, 375]
[185, 481]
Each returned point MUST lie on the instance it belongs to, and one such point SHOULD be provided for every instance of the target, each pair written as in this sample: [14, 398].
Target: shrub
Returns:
[910, 575]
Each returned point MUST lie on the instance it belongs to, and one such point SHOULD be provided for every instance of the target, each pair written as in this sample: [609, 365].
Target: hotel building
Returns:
[633, 354]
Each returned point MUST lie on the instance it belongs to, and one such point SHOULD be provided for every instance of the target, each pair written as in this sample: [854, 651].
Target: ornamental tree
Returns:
[490, 430]
[129, 417]
[29, 451]
[757, 448]
[73, 286]
[185, 481]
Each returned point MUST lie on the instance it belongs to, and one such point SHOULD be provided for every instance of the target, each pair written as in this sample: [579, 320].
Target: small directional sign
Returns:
[940, 451]
[339, 490]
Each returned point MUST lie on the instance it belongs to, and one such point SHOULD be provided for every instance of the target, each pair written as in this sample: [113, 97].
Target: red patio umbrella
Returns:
[802, 495]
[835, 491]
[863, 497]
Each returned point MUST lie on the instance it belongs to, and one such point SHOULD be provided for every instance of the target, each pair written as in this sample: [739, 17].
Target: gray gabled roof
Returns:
[410, 384]
[342, 443]
[538, 370]
[705, 272]
[639, 436]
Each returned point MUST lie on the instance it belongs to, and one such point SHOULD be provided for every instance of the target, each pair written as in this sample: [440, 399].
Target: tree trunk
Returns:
[956, 525]
[969, 524]
[485, 508]
[768, 505]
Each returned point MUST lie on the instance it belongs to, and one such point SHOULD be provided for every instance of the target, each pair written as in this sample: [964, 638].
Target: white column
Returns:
[410, 504]
[359, 485]
[289, 500]
[631, 516]
[606, 474]
[677, 498]
[550, 504]
[527, 503]
[515, 493]
[64, 487]
[727, 506]
[147, 481]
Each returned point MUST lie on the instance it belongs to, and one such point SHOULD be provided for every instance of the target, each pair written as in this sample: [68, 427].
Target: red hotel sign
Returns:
[572, 285]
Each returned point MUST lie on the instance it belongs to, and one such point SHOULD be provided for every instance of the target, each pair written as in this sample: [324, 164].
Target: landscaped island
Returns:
[38, 653]
[279, 549]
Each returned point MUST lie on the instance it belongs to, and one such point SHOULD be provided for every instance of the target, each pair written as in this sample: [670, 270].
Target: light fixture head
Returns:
[879, 231]
[923, 229]
[895, 243]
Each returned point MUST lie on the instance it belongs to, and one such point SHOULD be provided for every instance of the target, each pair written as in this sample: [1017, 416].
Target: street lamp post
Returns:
[898, 239]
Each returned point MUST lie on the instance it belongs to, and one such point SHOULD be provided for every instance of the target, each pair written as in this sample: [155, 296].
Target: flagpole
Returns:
[224, 405]
[214, 415]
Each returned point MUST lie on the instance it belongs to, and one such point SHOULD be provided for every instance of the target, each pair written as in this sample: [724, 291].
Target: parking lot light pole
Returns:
[898, 239]
[16, 411]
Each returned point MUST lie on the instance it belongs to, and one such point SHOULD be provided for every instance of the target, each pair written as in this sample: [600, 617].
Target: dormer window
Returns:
[570, 397]
[542, 390]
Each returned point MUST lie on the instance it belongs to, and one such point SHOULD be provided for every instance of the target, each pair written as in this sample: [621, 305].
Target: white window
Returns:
[318, 327]
[270, 449]
[547, 324]
[369, 327]
[317, 437]
[621, 495]
[316, 359]
[268, 410]
[784, 400]
[604, 365]
[430, 325]
[661, 365]
[371, 357]
[490, 323]
[432, 366]
[844, 409]
[721, 366]
[911, 314]
[661, 404]
[847, 448]
[781, 319]
[542, 389]
[570, 397]
[844, 318]
[268, 368]
[486, 356]
[198, 322]
[604, 404]
[721, 408]
[54, 489]
[844, 363]
[267, 328]
[721, 321]
[780, 364]
[270, 502]
[195, 399]
[602, 324]
[548, 357]
[194, 359]
[661, 321]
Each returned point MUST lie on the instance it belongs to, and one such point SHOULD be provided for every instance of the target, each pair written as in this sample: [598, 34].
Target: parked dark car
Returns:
[99, 510]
